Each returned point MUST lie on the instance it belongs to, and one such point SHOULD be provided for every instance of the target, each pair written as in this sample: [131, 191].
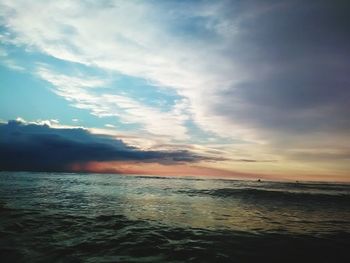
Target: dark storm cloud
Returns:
[289, 104]
[35, 147]
[297, 55]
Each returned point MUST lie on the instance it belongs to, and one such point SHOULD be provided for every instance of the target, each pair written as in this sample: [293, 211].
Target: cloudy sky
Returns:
[241, 89]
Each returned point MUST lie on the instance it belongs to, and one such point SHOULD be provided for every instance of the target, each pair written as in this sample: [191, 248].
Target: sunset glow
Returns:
[248, 90]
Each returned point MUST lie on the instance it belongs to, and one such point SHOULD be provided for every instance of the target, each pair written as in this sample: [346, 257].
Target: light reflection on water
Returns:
[125, 214]
[185, 203]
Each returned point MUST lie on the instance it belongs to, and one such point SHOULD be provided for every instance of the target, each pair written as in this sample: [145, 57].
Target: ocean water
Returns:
[57, 217]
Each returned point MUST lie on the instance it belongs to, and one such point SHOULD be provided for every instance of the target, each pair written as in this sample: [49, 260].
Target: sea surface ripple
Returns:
[63, 217]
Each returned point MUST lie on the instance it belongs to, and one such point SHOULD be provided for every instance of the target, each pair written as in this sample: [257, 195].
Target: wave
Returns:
[50, 237]
[258, 194]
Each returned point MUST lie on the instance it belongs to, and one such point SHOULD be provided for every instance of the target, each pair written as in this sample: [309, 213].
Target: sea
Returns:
[72, 217]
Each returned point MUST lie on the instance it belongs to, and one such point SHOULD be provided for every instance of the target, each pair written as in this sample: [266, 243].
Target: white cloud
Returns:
[144, 40]
[133, 39]
[7, 61]
[77, 91]
[51, 123]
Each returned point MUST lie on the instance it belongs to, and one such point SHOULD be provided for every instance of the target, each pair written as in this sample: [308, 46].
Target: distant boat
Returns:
[259, 180]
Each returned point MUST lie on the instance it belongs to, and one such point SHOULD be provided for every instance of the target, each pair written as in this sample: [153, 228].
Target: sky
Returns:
[233, 89]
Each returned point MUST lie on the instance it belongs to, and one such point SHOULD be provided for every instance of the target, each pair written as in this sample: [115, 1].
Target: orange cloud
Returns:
[159, 169]
[120, 167]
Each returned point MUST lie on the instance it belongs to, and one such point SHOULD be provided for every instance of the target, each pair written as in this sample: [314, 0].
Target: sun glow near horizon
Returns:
[197, 88]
